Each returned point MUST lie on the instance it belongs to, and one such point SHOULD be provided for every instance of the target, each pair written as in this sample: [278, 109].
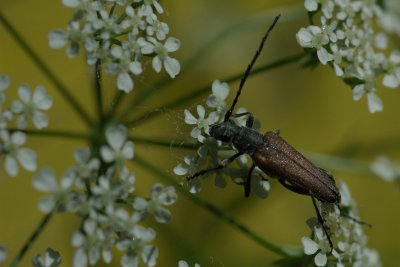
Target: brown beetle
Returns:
[272, 154]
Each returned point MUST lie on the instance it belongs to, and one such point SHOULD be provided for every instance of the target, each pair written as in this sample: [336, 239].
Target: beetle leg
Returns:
[221, 165]
[321, 221]
[294, 188]
[249, 120]
[247, 183]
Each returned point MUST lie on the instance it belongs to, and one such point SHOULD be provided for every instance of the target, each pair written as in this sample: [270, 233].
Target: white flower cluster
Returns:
[207, 153]
[347, 39]
[348, 236]
[387, 169]
[30, 106]
[121, 34]
[51, 258]
[101, 192]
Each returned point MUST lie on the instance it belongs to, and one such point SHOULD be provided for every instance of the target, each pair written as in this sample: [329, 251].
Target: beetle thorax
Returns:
[245, 139]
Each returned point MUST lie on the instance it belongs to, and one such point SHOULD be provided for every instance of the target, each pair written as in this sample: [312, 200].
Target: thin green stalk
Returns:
[53, 133]
[98, 91]
[206, 89]
[171, 144]
[289, 13]
[285, 251]
[62, 89]
[43, 223]
[118, 97]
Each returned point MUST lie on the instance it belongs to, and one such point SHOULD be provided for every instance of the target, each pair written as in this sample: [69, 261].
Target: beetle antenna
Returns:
[249, 67]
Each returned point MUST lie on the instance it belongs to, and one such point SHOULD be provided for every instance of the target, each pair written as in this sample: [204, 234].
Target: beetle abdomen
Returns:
[279, 159]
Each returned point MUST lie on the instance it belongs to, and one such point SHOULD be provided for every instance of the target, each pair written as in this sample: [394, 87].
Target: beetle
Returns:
[272, 154]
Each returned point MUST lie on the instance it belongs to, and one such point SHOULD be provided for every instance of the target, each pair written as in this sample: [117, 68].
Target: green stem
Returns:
[62, 89]
[224, 216]
[32, 239]
[171, 144]
[98, 92]
[118, 97]
[52, 133]
[206, 89]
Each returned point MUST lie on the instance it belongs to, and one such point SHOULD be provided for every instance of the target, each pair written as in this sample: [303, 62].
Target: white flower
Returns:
[51, 258]
[157, 28]
[392, 68]
[160, 196]
[386, 169]
[10, 146]
[86, 166]
[3, 254]
[134, 20]
[138, 245]
[320, 247]
[314, 37]
[162, 51]
[183, 263]
[31, 106]
[151, 4]
[202, 123]
[119, 149]
[125, 67]
[220, 91]
[191, 166]
[59, 195]
[374, 102]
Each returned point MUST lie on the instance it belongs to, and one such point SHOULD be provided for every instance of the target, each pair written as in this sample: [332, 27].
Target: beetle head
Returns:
[224, 131]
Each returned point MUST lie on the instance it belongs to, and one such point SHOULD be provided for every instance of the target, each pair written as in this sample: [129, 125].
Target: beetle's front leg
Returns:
[249, 120]
[221, 165]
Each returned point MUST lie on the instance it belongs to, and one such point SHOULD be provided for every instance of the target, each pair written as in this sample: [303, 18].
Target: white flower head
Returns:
[220, 91]
[59, 193]
[86, 166]
[349, 40]
[10, 146]
[386, 169]
[125, 67]
[119, 149]
[31, 105]
[51, 258]
[162, 57]
[202, 123]
[160, 196]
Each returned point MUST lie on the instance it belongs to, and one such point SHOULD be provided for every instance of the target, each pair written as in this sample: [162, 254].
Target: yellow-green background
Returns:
[313, 109]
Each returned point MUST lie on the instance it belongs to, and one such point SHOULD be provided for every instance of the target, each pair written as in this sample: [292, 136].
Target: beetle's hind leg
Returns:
[247, 182]
[302, 191]
[321, 221]
[221, 165]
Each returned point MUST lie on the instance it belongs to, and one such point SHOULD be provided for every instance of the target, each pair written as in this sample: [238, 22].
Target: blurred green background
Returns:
[313, 109]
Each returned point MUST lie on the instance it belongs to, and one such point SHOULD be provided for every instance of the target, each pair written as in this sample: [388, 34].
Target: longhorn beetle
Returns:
[272, 154]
